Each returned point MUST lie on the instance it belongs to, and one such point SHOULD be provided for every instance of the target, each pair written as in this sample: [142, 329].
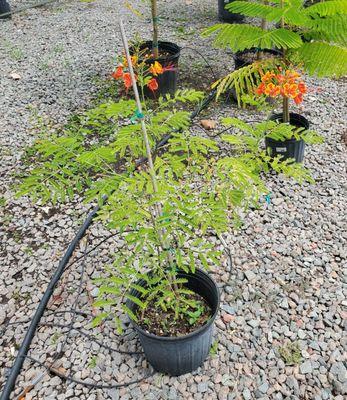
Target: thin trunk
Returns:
[285, 110]
[155, 28]
[263, 27]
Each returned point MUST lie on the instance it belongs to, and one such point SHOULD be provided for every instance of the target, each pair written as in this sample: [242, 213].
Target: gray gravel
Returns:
[287, 287]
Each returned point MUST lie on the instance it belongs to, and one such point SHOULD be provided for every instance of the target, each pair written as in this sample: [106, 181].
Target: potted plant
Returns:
[165, 212]
[249, 137]
[225, 15]
[157, 59]
[312, 37]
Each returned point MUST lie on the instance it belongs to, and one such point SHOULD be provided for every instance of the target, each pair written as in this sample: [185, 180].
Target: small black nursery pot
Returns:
[249, 56]
[179, 355]
[5, 9]
[225, 15]
[169, 54]
[290, 148]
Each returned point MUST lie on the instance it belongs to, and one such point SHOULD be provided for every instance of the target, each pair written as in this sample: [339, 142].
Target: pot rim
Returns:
[279, 116]
[255, 50]
[194, 333]
[172, 48]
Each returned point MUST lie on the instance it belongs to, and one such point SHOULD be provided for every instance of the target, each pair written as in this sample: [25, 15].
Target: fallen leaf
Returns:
[15, 76]
[208, 124]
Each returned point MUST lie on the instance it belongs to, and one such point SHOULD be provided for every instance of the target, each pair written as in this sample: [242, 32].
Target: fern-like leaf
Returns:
[323, 59]
[327, 8]
[239, 37]
[245, 79]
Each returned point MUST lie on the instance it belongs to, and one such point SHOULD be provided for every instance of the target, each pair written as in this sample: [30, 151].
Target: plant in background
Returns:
[285, 83]
[313, 37]
[146, 73]
[247, 144]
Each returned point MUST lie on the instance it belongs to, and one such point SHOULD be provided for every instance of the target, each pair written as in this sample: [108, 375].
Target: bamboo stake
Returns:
[139, 108]
[158, 207]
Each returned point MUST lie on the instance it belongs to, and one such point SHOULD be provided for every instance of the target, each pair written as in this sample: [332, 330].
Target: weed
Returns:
[290, 353]
[214, 348]
[55, 337]
[92, 362]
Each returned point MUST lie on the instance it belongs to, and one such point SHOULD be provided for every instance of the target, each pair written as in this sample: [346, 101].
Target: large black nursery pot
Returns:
[167, 81]
[179, 355]
[225, 15]
[290, 148]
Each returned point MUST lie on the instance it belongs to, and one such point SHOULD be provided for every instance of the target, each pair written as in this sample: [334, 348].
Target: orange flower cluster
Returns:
[285, 84]
[150, 73]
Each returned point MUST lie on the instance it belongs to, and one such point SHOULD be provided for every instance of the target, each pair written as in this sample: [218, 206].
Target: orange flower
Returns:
[298, 99]
[269, 88]
[153, 84]
[134, 60]
[118, 73]
[290, 90]
[127, 80]
[268, 76]
[261, 89]
[302, 88]
[156, 69]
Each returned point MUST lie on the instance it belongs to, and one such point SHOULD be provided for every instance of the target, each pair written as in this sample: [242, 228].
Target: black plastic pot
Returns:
[290, 148]
[225, 15]
[180, 355]
[167, 81]
[4, 9]
[241, 60]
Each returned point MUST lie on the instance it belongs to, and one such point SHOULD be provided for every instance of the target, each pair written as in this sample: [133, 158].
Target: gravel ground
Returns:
[287, 287]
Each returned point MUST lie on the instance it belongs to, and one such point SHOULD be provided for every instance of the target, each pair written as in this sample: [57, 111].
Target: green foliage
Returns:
[83, 155]
[314, 37]
[248, 145]
[164, 228]
[243, 80]
[239, 37]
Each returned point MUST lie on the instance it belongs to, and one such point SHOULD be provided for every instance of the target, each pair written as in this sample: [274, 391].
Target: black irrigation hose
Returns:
[92, 385]
[24, 348]
[19, 10]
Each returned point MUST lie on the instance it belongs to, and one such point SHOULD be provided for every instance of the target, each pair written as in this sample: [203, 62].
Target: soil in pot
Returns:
[290, 148]
[248, 57]
[169, 54]
[178, 355]
[163, 323]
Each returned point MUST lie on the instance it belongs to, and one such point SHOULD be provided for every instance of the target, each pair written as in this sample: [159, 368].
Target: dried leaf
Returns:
[15, 76]
[208, 124]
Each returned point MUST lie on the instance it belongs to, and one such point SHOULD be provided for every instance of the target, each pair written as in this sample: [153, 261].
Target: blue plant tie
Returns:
[137, 115]
[268, 199]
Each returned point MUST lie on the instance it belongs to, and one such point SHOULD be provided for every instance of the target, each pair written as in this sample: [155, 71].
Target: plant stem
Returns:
[286, 110]
[263, 27]
[155, 46]
[285, 107]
